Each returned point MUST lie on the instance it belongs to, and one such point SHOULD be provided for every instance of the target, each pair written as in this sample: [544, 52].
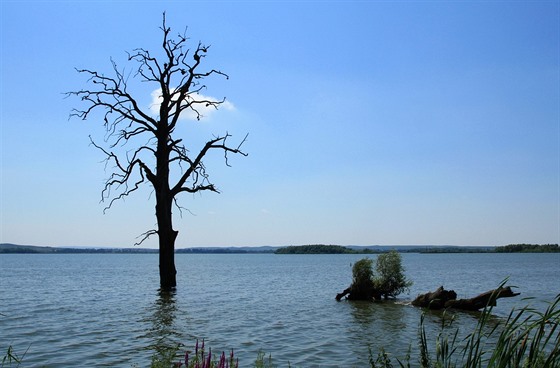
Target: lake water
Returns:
[105, 310]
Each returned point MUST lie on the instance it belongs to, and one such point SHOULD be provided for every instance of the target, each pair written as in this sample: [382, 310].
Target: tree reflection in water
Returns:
[164, 334]
[388, 324]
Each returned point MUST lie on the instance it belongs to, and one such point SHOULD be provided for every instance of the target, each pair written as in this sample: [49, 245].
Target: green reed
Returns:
[11, 359]
[527, 338]
[530, 339]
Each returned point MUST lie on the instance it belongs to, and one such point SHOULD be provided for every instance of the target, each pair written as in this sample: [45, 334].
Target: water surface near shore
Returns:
[105, 309]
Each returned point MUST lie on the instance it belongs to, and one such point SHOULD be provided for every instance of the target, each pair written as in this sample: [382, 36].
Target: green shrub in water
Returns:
[388, 280]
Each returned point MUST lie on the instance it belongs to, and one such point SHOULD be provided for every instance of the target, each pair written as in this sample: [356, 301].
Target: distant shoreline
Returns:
[8, 248]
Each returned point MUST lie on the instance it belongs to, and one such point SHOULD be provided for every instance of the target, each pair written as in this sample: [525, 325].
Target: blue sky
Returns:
[370, 122]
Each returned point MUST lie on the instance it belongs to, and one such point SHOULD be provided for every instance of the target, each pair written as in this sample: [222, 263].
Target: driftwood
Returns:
[360, 292]
[480, 301]
[343, 294]
[435, 300]
[442, 298]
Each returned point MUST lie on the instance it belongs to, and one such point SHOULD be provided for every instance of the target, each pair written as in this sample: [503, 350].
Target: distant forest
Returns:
[528, 248]
[14, 248]
[32, 249]
[337, 249]
[320, 249]
[300, 249]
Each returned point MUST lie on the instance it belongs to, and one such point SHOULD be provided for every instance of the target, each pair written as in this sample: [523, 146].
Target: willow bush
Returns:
[387, 280]
[390, 279]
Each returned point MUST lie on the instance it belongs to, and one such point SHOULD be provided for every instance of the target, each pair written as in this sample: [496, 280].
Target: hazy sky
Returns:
[370, 122]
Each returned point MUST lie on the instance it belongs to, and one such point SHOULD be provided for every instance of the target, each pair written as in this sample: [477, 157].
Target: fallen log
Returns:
[442, 298]
[483, 300]
[435, 300]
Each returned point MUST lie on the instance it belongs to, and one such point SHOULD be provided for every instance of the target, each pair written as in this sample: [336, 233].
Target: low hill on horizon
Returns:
[301, 249]
[36, 249]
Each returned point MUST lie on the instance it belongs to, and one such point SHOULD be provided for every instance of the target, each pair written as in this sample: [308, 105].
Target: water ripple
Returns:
[70, 310]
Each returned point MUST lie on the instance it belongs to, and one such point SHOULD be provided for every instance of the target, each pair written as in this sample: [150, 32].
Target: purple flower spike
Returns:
[209, 357]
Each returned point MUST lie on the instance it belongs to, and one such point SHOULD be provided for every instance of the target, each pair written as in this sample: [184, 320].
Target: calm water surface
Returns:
[105, 310]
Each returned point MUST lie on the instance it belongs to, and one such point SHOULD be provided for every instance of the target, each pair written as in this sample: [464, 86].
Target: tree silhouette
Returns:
[161, 159]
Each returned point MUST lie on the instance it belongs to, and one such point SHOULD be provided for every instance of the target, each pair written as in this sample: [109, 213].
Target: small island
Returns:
[528, 248]
[320, 249]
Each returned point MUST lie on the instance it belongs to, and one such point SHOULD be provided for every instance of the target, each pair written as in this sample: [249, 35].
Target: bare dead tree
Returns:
[161, 157]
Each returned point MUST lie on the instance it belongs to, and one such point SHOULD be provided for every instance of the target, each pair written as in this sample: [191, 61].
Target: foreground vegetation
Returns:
[11, 359]
[526, 339]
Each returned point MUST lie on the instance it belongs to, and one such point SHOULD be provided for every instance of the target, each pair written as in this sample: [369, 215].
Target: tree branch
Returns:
[121, 175]
[197, 170]
[145, 236]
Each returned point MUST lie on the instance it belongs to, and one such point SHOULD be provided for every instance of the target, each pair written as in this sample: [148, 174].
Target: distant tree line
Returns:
[301, 249]
[453, 249]
[320, 249]
[528, 248]
[31, 249]
[220, 251]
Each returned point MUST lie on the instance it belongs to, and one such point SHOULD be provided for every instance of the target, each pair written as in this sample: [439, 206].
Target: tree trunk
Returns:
[167, 271]
[167, 236]
[164, 213]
